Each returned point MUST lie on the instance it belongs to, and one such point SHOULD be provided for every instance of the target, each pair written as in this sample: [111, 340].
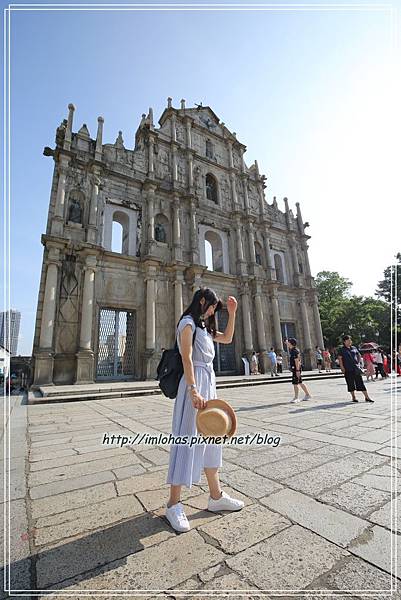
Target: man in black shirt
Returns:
[296, 368]
[348, 357]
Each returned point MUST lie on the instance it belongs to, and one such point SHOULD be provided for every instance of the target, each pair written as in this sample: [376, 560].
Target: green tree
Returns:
[366, 319]
[392, 279]
[333, 291]
[331, 286]
[390, 288]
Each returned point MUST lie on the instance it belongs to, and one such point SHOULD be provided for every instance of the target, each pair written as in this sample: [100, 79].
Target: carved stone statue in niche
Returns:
[60, 133]
[75, 211]
[160, 233]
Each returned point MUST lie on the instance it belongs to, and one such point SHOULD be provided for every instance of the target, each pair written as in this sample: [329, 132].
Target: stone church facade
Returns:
[131, 234]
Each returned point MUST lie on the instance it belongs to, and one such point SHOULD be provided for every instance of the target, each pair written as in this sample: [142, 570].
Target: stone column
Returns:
[174, 173]
[99, 137]
[188, 133]
[306, 258]
[178, 303]
[234, 190]
[307, 345]
[151, 220]
[318, 324]
[151, 162]
[150, 314]
[150, 336]
[85, 356]
[59, 208]
[44, 356]
[49, 301]
[190, 172]
[177, 229]
[245, 187]
[230, 154]
[295, 265]
[271, 272]
[278, 340]
[194, 234]
[260, 323]
[246, 320]
[68, 131]
[251, 235]
[173, 128]
[241, 264]
[92, 225]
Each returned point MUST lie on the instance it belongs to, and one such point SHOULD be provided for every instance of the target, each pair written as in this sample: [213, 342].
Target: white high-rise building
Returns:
[9, 330]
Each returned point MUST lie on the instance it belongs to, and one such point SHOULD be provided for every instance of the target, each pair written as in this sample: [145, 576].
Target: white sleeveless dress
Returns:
[186, 464]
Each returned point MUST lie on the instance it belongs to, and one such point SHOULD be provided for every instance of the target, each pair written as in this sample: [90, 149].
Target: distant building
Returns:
[4, 362]
[9, 326]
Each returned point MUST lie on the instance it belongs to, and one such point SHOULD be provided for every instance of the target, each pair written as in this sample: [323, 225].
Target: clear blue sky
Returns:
[310, 93]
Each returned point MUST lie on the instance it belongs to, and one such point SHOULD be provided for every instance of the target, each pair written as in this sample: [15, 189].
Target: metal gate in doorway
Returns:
[116, 344]
[224, 360]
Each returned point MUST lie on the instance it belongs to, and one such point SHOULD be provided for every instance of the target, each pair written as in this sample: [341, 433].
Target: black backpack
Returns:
[170, 370]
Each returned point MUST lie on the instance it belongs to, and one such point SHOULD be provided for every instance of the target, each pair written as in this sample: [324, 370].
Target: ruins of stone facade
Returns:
[183, 198]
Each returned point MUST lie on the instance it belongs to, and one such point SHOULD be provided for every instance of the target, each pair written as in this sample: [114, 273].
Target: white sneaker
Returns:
[177, 518]
[295, 401]
[306, 397]
[224, 503]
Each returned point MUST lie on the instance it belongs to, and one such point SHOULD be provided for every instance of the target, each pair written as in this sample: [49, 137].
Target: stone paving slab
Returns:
[388, 516]
[321, 478]
[104, 547]
[74, 459]
[250, 483]
[154, 568]
[375, 547]
[355, 498]
[354, 574]
[330, 523]
[290, 560]
[237, 531]
[76, 483]
[374, 481]
[79, 521]
[302, 462]
[51, 505]
[78, 470]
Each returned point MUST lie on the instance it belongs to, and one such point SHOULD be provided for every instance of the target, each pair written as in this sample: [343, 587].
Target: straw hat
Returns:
[217, 419]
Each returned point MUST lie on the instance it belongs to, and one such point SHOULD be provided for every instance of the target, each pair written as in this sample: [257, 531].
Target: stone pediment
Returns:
[203, 116]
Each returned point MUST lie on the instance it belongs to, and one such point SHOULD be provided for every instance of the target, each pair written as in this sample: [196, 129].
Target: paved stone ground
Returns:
[317, 516]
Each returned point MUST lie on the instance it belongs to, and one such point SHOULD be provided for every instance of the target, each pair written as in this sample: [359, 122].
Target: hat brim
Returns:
[223, 405]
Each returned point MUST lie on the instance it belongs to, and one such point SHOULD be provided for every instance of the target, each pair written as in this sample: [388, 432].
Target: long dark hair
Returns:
[195, 310]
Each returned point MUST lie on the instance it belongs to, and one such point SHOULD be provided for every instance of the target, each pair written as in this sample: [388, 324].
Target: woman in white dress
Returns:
[196, 387]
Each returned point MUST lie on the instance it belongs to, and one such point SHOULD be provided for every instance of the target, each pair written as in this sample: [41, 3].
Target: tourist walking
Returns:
[279, 359]
[348, 359]
[319, 358]
[378, 359]
[296, 369]
[196, 387]
[272, 356]
[327, 360]
[254, 364]
[369, 365]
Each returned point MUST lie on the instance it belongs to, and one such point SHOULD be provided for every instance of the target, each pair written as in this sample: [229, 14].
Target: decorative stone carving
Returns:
[160, 233]
[75, 211]
[60, 133]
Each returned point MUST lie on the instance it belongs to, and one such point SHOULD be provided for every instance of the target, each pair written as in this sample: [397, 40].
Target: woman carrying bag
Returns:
[196, 387]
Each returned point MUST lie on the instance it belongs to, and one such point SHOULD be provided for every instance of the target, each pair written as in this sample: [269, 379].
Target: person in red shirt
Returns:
[369, 365]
